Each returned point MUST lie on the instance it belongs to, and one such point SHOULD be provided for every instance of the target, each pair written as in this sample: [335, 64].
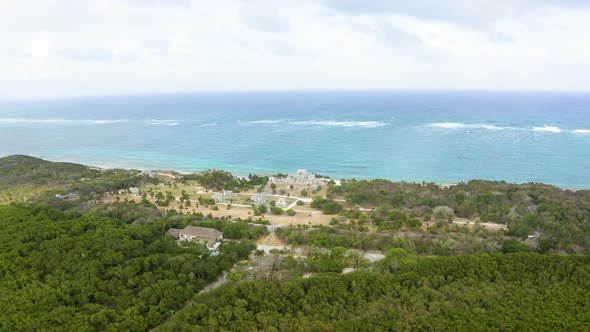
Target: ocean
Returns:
[414, 136]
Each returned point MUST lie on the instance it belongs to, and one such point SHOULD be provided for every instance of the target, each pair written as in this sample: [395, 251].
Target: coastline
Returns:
[442, 184]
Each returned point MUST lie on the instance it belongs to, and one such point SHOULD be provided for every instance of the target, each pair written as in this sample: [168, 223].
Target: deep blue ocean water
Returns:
[444, 137]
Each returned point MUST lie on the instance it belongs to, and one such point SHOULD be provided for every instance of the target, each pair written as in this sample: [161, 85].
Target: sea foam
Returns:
[548, 129]
[362, 124]
[581, 131]
[323, 123]
[458, 125]
[155, 122]
[58, 121]
[263, 121]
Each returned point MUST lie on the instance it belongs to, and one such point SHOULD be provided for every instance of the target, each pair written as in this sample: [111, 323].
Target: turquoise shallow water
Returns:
[413, 136]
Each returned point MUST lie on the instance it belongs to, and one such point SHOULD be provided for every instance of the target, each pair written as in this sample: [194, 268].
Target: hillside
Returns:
[24, 178]
[25, 169]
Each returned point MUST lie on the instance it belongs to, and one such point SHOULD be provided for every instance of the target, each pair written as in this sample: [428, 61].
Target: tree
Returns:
[396, 260]
[443, 213]
[511, 246]
[327, 206]
[276, 210]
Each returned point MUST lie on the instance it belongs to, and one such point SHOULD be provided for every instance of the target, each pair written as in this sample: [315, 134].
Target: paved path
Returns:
[220, 281]
[292, 205]
[485, 224]
[303, 199]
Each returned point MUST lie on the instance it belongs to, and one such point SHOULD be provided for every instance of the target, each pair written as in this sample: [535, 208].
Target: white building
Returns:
[301, 177]
[208, 236]
[223, 196]
[282, 203]
[259, 199]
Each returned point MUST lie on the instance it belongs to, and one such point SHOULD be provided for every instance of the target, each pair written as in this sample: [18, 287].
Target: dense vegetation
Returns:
[92, 273]
[517, 292]
[327, 206]
[458, 241]
[83, 265]
[27, 179]
[560, 218]
[218, 180]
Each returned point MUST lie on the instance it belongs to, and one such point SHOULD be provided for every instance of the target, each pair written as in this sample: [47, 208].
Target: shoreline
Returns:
[442, 184]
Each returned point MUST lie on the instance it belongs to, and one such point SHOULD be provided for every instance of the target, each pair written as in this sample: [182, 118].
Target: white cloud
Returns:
[67, 47]
[39, 49]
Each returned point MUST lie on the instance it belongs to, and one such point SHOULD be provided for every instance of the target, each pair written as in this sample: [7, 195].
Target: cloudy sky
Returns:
[54, 48]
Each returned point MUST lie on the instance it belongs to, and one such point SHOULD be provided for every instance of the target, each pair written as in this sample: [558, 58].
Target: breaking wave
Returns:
[458, 125]
[162, 123]
[324, 123]
[59, 121]
[264, 121]
[549, 129]
[213, 124]
[362, 124]
[544, 128]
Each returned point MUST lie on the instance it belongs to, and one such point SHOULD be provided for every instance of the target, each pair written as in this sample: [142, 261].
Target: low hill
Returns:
[20, 168]
[25, 178]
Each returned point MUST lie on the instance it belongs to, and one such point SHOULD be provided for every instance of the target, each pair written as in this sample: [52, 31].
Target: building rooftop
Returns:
[202, 232]
[174, 232]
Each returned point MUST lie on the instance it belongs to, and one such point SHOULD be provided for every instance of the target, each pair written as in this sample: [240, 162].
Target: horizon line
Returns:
[278, 91]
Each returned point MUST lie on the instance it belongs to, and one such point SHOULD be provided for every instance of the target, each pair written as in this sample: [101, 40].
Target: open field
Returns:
[310, 217]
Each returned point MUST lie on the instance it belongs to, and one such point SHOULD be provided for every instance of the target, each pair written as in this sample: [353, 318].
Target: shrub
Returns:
[443, 213]
[276, 210]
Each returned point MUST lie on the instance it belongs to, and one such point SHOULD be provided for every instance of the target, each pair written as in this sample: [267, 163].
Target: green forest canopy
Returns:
[64, 271]
[515, 292]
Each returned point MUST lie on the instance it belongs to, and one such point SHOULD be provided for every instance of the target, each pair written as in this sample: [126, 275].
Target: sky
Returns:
[59, 48]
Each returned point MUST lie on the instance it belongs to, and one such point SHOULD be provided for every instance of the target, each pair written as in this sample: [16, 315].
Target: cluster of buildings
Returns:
[209, 236]
[133, 191]
[301, 177]
[264, 198]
